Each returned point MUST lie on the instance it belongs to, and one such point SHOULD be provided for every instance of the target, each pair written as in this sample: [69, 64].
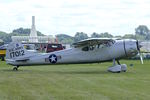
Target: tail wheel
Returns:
[15, 68]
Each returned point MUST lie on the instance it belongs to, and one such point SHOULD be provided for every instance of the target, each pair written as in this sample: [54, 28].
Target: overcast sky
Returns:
[117, 17]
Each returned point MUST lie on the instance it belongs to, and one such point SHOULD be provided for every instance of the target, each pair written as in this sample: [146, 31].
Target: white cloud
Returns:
[69, 16]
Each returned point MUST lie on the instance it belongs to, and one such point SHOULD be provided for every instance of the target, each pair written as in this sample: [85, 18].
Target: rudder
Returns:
[15, 51]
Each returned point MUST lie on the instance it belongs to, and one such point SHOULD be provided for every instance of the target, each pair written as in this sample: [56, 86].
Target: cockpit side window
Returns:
[97, 46]
[91, 48]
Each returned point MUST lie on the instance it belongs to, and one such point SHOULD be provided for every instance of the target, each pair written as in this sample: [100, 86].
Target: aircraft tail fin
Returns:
[16, 51]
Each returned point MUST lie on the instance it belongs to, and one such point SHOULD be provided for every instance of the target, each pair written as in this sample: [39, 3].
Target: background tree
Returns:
[142, 30]
[129, 36]
[118, 36]
[147, 37]
[140, 37]
[141, 33]
[5, 37]
[65, 39]
[95, 35]
[1, 42]
[80, 36]
[106, 35]
[24, 32]
[102, 35]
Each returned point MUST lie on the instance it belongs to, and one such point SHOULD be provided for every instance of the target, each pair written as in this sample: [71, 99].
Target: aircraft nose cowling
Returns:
[131, 47]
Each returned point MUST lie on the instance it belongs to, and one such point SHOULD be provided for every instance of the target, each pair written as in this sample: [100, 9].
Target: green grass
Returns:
[75, 82]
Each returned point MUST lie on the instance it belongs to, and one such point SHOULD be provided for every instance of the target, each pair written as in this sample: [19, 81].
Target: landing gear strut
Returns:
[16, 68]
[118, 62]
[117, 68]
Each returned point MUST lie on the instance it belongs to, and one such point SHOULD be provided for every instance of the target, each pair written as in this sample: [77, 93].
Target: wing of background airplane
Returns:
[93, 41]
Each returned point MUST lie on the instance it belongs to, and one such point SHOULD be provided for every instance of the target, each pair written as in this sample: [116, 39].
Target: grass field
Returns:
[75, 82]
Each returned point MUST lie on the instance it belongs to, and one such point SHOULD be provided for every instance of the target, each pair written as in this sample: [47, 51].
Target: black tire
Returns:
[118, 72]
[3, 58]
[15, 68]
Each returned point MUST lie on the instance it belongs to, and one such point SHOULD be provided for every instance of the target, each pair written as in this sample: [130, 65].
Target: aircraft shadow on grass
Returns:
[57, 72]
[81, 72]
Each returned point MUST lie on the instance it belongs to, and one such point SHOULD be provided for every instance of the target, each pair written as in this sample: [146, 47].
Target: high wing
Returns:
[94, 41]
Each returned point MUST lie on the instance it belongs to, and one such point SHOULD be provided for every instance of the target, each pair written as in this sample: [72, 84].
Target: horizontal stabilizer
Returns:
[20, 60]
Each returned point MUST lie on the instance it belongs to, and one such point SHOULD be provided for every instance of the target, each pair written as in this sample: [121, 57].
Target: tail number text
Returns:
[17, 54]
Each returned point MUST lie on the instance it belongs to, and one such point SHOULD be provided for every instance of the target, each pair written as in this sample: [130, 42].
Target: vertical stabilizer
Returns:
[15, 51]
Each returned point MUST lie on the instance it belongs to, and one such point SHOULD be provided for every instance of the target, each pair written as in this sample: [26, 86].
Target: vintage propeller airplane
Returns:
[90, 50]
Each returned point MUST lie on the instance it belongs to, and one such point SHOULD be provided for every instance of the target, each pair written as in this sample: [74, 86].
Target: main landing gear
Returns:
[117, 68]
[15, 68]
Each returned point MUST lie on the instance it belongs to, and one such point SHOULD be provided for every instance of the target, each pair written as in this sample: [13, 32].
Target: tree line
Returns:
[6, 37]
[141, 33]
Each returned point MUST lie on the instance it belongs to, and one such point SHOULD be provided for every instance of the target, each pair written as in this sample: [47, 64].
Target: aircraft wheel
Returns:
[15, 68]
[123, 67]
[118, 72]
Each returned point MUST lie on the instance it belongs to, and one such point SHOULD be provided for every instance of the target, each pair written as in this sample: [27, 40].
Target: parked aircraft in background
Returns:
[86, 51]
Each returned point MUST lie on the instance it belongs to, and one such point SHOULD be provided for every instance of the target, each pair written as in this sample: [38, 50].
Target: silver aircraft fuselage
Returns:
[86, 54]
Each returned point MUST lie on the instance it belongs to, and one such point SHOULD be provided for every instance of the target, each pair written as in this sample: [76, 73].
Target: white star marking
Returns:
[53, 59]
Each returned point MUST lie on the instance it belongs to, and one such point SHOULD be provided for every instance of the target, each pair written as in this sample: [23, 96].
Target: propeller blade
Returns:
[141, 58]
[139, 52]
